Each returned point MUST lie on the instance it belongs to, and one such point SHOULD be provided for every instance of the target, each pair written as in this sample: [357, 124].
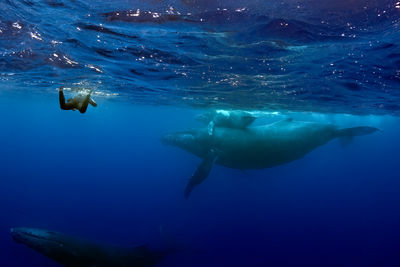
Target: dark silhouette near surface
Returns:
[79, 102]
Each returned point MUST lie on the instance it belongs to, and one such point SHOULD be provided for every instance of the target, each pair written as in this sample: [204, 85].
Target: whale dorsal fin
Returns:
[202, 172]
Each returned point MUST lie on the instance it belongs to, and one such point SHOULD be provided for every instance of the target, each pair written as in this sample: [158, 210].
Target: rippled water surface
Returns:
[303, 55]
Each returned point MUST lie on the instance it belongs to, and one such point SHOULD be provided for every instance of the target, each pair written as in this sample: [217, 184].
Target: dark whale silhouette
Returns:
[74, 252]
[257, 147]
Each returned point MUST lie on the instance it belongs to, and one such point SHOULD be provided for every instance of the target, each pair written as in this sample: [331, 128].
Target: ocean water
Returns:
[153, 67]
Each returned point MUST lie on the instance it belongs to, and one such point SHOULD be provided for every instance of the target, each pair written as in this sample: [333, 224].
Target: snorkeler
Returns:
[79, 102]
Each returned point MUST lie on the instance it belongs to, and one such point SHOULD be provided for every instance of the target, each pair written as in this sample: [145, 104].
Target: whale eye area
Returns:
[188, 138]
[32, 235]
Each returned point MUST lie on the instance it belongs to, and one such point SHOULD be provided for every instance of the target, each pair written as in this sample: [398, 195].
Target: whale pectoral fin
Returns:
[210, 127]
[201, 173]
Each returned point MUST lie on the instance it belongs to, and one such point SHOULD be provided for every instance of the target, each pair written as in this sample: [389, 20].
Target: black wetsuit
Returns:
[70, 105]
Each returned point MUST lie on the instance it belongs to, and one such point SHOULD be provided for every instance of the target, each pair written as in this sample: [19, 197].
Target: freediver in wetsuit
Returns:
[79, 102]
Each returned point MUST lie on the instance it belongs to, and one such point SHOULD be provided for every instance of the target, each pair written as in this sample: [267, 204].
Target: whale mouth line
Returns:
[35, 236]
[26, 233]
[24, 236]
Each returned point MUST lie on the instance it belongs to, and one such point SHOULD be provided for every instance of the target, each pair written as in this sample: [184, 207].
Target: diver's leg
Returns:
[85, 104]
[61, 97]
[63, 105]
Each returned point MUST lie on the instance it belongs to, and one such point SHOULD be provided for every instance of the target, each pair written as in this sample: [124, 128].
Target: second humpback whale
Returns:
[226, 118]
[256, 147]
[74, 252]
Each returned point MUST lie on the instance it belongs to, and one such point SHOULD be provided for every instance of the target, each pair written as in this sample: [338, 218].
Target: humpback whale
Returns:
[75, 252]
[226, 118]
[256, 147]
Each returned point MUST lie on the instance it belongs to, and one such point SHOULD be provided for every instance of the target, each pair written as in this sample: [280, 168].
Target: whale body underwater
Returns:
[75, 252]
[257, 147]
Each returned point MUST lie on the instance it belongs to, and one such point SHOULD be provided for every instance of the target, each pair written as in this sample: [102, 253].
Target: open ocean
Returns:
[154, 66]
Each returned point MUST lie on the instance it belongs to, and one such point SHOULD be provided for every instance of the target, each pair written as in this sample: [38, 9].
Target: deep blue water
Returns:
[154, 66]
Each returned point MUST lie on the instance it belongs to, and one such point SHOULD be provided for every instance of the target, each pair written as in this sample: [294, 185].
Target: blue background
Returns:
[106, 177]
[155, 65]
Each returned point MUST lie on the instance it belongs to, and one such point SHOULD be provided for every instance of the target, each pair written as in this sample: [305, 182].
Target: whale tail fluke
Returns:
[346, 135]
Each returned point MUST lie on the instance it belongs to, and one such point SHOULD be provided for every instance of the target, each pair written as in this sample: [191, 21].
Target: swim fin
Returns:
[92, 102]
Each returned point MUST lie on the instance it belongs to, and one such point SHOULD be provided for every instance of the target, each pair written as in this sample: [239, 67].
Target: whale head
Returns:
[73, 251]
[193, 141]
[37, 239]
[54, 245]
